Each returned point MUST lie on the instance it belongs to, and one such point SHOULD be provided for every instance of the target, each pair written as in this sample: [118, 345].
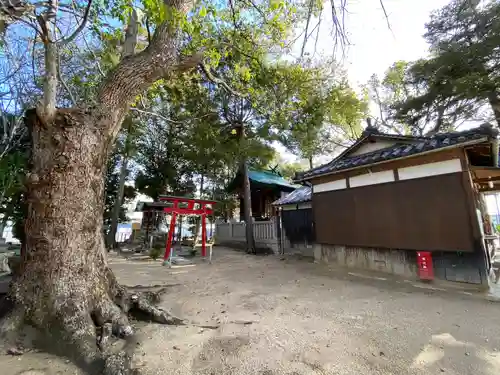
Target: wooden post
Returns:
[171, 231]
[203, 235]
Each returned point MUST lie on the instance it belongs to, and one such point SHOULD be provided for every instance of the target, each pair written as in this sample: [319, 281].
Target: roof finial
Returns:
[370, 129]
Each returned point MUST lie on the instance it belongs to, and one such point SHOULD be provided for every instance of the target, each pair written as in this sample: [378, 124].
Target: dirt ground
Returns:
[293, 317]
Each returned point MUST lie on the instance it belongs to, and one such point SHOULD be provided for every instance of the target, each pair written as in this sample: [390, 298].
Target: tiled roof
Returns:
[400, 150]
[300, 195]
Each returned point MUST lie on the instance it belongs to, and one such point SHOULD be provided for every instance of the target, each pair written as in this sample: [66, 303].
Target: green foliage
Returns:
[155, 252]
[386, 93]
[462, 74]
[13, 168]
[189, 136]
[111, 190]
[289, 170]
[315, 108]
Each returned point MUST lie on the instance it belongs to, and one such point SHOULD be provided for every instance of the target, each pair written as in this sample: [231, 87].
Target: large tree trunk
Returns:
[247, 209]
[247, 196]
[66, 288]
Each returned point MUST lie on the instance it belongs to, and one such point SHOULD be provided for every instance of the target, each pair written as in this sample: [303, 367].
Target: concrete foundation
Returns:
[304, 250]
[397, 262]
[260, 248]
[448, 266]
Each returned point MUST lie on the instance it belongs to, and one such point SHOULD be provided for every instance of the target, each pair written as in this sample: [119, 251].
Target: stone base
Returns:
[260, 247]
[300, 250]
[397, 262]
[448, 266]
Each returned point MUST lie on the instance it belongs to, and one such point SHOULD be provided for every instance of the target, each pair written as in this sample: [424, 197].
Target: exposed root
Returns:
[86, 337]
[144, 309]
[104, 334]
[10, 324]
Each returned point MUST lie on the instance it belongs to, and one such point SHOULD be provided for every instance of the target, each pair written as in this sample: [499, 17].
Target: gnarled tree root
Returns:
[84, 336]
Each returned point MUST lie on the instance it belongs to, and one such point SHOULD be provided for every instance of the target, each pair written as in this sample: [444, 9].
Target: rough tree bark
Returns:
[247, 201]
[247, 196]
[66, 288]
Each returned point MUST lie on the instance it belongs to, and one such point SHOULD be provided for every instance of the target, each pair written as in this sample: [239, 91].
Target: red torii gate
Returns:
[186, 206]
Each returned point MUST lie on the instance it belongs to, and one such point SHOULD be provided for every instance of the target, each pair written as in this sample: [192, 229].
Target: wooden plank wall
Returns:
[427, 214]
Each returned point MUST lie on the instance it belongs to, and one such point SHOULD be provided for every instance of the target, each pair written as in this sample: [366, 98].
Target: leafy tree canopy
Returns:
[461, 76]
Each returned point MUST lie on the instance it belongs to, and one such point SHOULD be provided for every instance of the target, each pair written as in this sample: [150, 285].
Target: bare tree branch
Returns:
[155, 114]
[80, 28]
[91, 51]
[61, 79]
[309, 15]
[219, 81]
[385, 14]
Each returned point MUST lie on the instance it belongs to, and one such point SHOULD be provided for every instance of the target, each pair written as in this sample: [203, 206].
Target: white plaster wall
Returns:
[372, 146]
[330, 186]
[372, 178]
[430, 169]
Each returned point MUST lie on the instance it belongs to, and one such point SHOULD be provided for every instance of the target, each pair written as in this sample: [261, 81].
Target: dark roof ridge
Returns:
[398, 150]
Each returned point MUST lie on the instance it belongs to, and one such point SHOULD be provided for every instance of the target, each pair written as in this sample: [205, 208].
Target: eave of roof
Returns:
[269, 178]
[262, 178]
[368, 135]
[439, 142]
[300, 195]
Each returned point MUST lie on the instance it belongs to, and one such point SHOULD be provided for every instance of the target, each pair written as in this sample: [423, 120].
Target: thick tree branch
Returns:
[51, 57]
[131, 34]
[136, 72]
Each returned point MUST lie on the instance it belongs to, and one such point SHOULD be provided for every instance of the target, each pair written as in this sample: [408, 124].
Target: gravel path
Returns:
[309, 320]
[297, 318]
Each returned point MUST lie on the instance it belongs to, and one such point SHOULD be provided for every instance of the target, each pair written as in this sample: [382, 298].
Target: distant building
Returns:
[265, 186]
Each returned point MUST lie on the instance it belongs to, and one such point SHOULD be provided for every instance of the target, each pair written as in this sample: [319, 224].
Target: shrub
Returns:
[155, 252]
